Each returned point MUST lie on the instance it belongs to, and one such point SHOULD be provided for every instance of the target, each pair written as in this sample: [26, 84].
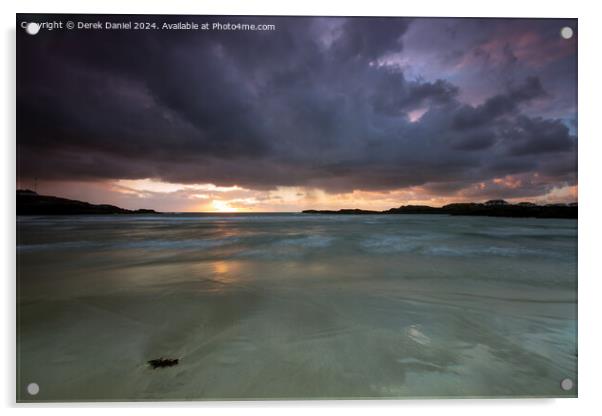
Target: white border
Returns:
[590, 202]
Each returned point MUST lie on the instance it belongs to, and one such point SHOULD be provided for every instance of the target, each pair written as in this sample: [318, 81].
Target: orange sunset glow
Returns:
[172, 197]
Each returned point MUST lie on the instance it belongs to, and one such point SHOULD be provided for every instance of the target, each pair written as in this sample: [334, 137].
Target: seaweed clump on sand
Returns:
[163, 362]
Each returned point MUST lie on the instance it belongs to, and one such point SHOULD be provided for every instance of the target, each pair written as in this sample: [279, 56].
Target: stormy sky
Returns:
[318, 113]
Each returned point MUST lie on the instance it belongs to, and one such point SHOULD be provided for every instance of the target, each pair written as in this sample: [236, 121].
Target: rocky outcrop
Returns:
[30, 203]
[494, 208]
[342, 211]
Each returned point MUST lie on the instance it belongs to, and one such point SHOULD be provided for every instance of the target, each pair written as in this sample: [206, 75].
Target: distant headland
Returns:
[493, 208]
[31, 203]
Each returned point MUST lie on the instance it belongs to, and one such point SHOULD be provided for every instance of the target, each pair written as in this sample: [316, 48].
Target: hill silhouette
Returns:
[31, 203]
[493, 208]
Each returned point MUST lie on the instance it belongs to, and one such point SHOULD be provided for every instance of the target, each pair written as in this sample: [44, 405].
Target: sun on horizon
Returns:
[222, 206]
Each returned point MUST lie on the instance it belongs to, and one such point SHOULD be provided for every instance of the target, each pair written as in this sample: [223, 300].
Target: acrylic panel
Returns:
[295, 207]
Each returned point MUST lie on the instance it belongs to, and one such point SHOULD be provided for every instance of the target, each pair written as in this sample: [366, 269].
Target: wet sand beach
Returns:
[276, 306]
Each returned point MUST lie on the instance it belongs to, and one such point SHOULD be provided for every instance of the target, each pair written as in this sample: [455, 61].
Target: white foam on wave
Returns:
[429, 245]
[294, 247]
[189, 244]
[471, 251]
[312, 241]
[66, 245]
[390, 244]
[526, 232]
[178, 244]
[414, 332]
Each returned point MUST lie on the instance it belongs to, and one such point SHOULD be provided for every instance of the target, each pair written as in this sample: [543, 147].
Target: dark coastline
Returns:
[30, 203]
[496, 208]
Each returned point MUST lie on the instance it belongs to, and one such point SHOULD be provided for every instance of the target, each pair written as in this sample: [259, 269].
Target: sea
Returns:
[295, 306]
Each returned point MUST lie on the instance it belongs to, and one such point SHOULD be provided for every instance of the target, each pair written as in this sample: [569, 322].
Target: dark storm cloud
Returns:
[311, 104]
[537, 136]
[498, 105]
[393, 95]
[477, 141]
[362, 40]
